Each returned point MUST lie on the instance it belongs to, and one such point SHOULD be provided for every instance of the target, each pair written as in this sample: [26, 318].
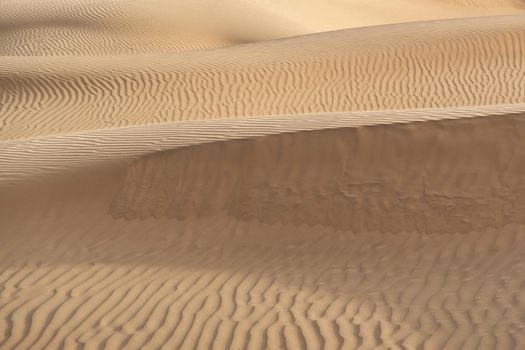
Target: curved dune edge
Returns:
[111, 27]
[30, 159]
[452, 63]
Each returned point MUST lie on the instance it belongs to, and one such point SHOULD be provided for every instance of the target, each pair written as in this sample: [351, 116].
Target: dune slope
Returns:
[402, 235]
[123, 27]
[233, 174]
[29, 160]
[454, 63]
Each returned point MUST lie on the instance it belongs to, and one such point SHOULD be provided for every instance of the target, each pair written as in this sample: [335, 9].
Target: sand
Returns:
[262, 174]
[449, 63]
[120, 27]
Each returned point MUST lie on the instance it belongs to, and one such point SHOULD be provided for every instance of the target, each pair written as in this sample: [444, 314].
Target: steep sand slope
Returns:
[116, 27]
[387, 236]
[465, 62]
[28, 160]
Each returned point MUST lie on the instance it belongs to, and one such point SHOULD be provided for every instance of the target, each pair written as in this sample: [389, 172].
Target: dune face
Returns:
[120, 27]
[393, 235]
[453, 63]
[434, 177]
[262, 174]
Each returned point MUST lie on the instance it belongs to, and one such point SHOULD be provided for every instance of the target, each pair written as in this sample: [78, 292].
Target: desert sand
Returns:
[262, 174]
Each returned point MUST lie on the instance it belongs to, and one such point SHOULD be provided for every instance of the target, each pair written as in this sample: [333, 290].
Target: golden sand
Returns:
[262, 174]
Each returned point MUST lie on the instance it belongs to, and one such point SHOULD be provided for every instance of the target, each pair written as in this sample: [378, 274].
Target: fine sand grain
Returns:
[262, 174]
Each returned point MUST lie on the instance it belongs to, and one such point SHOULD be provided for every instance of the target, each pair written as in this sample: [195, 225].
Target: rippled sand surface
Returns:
[262, 174]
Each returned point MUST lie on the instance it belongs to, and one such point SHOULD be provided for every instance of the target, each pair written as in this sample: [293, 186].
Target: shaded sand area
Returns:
[400, 235]
[196, 175]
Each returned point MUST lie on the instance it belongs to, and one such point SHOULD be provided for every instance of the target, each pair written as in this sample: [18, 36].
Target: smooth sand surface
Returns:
[236, 175]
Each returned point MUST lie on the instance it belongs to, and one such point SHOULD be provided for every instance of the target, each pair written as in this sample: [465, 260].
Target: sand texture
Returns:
[451, 63]
[262, 174]
[120, 27]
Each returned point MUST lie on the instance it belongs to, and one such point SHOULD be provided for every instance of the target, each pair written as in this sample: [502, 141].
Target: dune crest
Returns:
[33, 159]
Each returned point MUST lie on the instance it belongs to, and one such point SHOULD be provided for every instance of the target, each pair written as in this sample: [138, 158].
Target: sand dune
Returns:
[453, 63]
[431, 255]
[435, 177]
[117, 27]
[29, 160]
[238, 175]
